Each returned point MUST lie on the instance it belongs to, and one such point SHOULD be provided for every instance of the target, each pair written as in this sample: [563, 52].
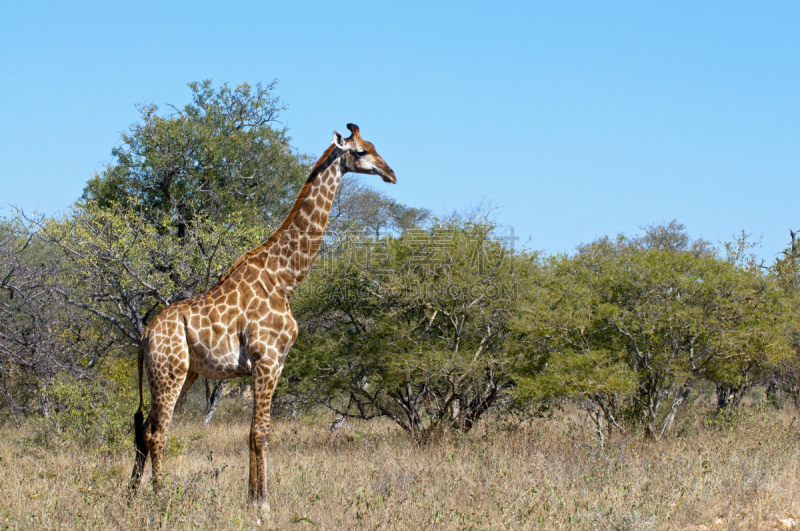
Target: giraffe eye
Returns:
[361, 153]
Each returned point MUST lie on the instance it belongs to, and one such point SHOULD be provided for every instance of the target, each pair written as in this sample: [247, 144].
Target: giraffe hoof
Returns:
[261, 507]
[262, 513]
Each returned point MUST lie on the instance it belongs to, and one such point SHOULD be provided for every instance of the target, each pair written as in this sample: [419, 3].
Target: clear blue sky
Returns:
[577, 118]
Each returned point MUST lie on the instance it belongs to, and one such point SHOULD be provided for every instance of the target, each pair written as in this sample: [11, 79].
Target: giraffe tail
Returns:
[141, 376]
[138, 428]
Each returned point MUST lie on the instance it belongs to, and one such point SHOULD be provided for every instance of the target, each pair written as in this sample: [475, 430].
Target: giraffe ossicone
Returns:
[244, 324]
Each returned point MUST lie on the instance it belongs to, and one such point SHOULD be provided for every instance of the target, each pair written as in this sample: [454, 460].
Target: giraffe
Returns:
[244, 324]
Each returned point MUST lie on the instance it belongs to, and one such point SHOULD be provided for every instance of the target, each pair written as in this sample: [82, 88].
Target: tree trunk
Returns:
[44, 403]
[774, 392]
[680, 397]
[725, 395]
[213, 394]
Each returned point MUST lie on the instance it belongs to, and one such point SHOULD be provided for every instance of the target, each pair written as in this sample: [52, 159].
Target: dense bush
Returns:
[627, 329]
[94, 413]
[414, 328]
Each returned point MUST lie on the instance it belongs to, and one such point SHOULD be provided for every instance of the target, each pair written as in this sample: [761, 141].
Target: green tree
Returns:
[188, 191]
[414, 328]
[568, 349]
[221, 155]
[630, 328]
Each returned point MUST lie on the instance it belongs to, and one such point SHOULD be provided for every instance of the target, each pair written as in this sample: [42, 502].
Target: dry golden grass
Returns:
[742, 474]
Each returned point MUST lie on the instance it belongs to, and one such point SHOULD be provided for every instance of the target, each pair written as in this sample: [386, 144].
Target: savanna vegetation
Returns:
[442, 377]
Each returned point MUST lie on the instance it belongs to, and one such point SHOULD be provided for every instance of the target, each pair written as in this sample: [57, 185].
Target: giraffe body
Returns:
[244, 324]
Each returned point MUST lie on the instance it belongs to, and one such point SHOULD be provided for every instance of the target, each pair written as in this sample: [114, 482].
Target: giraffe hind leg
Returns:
[165, 389]
[140, 426]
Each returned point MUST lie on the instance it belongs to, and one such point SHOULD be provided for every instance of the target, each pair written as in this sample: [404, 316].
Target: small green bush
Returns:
[95, 412]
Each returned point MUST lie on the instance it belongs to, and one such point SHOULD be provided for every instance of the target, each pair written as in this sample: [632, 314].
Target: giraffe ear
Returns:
[338, 140]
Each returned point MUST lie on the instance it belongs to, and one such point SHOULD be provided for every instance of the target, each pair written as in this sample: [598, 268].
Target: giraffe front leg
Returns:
[265, 378]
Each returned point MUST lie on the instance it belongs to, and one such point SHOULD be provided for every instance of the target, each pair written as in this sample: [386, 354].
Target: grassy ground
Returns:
[741, 473]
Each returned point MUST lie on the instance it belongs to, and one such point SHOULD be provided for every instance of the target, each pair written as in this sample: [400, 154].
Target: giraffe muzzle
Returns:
[388, 176]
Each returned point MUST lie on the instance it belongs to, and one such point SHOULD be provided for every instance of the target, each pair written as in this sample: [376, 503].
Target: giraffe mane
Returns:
[266, 244]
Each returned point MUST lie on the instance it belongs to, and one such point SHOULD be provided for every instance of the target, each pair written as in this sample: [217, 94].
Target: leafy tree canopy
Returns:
[413, 328]
[628, 326]
[223, 153]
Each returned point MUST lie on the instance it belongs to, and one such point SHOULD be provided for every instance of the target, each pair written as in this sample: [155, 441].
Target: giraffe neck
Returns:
[299, 237]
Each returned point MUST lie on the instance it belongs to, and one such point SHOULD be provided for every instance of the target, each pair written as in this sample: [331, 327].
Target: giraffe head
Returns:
[359, 156]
